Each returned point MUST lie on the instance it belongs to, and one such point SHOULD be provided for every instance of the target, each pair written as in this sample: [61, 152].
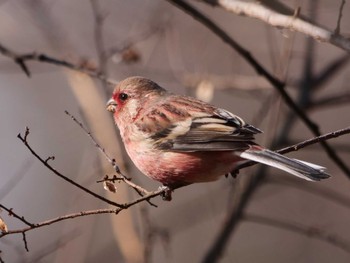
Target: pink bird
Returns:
[179, 140]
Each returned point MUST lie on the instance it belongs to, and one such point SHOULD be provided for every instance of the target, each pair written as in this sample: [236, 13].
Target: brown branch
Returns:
[46, 164]
[112, 161]
[82, 213]
[22, 59]
[312, 232]
[61, 218]
[337, 29]
[280, 86]
[325, 137]
[20, 218]
[24, 237]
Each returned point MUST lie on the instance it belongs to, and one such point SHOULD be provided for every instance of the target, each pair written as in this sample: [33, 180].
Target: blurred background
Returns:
[283, 219]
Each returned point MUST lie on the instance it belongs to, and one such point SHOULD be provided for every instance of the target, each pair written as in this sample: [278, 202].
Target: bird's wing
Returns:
[188, 125]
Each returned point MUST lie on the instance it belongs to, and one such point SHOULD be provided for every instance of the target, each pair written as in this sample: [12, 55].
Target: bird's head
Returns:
[132, 95]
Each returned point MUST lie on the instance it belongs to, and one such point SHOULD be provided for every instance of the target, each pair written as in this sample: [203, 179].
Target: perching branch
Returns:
[303, 144]
[119, 207]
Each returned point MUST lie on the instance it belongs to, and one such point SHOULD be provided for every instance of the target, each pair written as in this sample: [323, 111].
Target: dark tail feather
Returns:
[307, 171]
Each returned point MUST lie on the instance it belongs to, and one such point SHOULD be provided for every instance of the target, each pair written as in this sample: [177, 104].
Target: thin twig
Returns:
[22, 59]
[84, 213]
[20, 218]
[337, 29]
[24, 237]
[45, 163]
[325, 137]
[15, 179]
[298, 146]
[112, 161]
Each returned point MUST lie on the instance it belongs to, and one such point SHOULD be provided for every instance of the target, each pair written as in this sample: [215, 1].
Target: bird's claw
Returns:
[166, 194]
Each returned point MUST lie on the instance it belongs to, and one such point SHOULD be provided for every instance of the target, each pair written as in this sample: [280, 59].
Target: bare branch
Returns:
[312, 232]
[314, 189]
[20, 218]
[325, 137]
[337, 29]
[46, 164]
[22, 59]
[333, 100]
[301, 145]
[61, 218]
[273, 18]
[112, 161]
[24, 237]
[15, 179]
[82, 213]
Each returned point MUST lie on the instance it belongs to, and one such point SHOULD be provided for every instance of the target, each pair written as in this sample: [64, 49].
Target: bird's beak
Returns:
[111, 105]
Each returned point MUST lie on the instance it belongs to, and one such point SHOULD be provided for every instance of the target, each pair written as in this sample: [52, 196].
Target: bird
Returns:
[179, 140]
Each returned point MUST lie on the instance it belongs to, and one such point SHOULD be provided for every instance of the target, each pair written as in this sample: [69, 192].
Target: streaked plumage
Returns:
[180, 140]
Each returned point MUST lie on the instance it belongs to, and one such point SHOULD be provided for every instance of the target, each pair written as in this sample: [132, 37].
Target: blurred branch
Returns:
[330, 71]
[60, 218]
[280, 86]
[215, 251]
[14, 180]
[313, 189]
[337, 29]
[22, 59]
[273, 18]
[212, 26]
[151, 232]
[54, 245]
[332, 100]
[99, 19]
[312, 232]
[237, 82]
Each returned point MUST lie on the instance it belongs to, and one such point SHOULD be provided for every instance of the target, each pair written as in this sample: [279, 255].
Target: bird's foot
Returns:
[166, 194]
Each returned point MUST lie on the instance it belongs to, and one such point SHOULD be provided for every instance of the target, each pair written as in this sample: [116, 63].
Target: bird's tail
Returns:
[305, 170]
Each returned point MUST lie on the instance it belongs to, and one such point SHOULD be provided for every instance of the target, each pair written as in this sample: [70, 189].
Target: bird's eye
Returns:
[123, 96]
